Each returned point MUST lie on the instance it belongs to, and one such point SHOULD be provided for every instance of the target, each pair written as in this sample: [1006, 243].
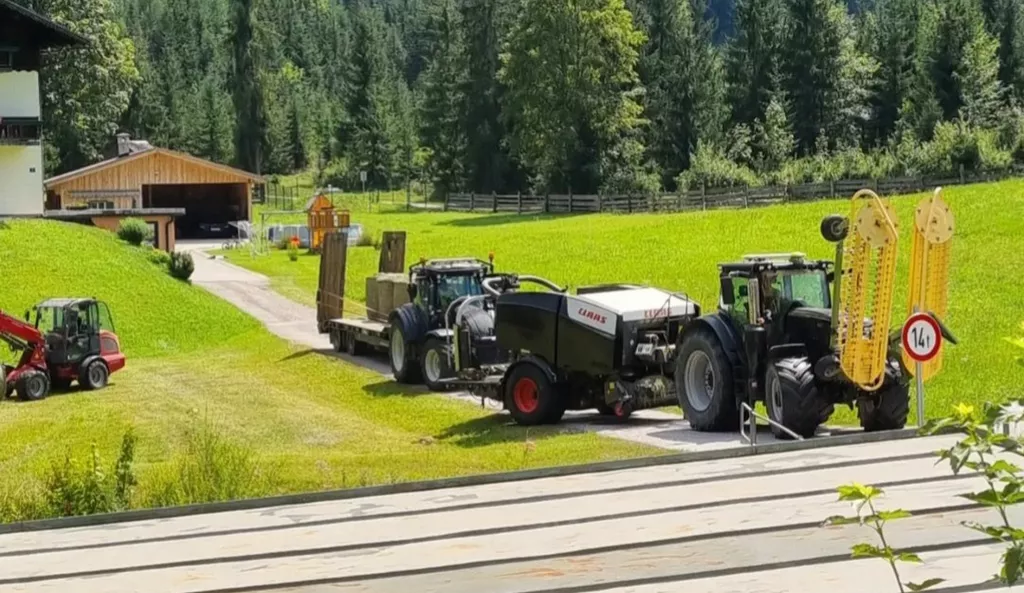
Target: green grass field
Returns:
[680, 251]
[312, 422]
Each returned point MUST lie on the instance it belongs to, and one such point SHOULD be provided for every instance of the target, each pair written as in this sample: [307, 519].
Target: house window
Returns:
[101, 204]
[6, 60]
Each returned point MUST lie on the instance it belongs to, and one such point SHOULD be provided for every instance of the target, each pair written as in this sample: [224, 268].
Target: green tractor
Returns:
[774, 339]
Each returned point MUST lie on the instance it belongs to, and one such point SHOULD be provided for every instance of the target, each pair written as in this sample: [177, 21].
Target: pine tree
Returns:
[487, 163]
[964, 63]
[251, 144]
[754, 58]
[893, 33]
[443, 83]
[685, 84]
[814, 69]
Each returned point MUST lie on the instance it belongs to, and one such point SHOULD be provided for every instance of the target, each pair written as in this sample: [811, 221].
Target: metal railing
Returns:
[748, 422]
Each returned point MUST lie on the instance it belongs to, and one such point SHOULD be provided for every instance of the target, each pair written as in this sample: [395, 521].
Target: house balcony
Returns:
[20, 131]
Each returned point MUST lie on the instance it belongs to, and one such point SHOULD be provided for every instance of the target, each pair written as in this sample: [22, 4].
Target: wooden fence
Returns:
[707, 198]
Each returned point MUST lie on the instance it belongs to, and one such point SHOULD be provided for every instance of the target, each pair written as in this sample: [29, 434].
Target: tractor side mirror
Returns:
[728, 298]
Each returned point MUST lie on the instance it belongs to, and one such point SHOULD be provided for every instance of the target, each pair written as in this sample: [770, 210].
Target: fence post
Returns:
[447, 196]
[472, 201]
[704, 195]
[547, 203]
[679, 199]
[494, 201]
[519, 202]
[746, 197]
[831, 188]
[600, 203]
[961, 173]
[629, 203]
[570, 200]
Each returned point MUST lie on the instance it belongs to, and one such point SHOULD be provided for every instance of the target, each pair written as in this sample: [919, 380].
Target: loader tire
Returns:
[888, 408]
[94, 375]
[792, 398]
[33, 386]
[402, 355]
[531, 397]
[704, 384]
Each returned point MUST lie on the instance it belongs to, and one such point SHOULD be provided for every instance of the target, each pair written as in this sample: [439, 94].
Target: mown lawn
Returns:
[680, 251]
[311, 421]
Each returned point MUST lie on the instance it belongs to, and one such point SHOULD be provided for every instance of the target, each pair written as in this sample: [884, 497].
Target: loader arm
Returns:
[25, 337]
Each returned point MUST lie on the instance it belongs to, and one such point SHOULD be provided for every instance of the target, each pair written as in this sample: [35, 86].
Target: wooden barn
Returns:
[143, 177]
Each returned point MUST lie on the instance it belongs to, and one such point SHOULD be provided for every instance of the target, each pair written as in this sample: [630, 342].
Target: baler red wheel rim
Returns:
[526, 395]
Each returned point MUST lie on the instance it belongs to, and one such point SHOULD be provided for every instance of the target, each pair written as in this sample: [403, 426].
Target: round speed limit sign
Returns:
[921, 337]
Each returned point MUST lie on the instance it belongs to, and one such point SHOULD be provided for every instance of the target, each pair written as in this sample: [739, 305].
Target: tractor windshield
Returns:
[450, 288]
[50, 320]
[808, 286]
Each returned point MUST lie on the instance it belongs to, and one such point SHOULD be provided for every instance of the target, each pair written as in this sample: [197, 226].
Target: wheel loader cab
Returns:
[72, 328]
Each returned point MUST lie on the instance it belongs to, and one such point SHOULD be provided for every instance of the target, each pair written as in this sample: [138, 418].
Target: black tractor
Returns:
[773, 340]
[421, 329]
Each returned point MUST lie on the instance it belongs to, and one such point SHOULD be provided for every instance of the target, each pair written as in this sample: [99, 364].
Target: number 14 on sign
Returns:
[922, 340]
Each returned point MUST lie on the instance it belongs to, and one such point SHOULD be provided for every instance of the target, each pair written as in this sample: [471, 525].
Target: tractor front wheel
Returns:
[33, 386]
[792, 398]
[532, 398]
[435, 364]
[888, 408]
[94, 375]
[704, 383]
[403, 360]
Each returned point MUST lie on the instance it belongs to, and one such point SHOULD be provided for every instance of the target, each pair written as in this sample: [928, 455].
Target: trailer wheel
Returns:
[33, 385]
[704, 383]
[532, 398]
[337, 339]
[404, 365]
[792, 398]
[435, 365]
[351, 345]
[94, 375]
[888, 408]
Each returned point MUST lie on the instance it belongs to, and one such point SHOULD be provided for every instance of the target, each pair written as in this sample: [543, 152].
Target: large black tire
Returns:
[705, 385]
[348, 344]
[792, 399]
[404, 365]
[93, 375]
[33, 386]
[531, 397]
[434, 364]
[889, 407]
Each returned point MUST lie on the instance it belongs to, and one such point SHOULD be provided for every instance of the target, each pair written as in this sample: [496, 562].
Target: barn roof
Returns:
[49, 33]
[59, 180]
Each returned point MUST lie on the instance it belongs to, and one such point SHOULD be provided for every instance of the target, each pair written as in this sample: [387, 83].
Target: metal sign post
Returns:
[922, 340]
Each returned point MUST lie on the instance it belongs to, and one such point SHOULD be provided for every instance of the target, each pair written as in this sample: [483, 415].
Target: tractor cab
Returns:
[435, 284]
[74, 329]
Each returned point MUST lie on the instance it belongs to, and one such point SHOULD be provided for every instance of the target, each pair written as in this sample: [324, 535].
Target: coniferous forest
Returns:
[546, 95]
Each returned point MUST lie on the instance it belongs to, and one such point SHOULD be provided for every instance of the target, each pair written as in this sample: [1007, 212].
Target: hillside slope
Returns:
[153, 313]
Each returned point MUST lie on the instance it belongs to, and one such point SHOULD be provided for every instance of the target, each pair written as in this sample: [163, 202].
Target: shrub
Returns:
[73, 488]
[293, 250]
[181, 265]
[159, 257]
[710, 167]
[134, 231]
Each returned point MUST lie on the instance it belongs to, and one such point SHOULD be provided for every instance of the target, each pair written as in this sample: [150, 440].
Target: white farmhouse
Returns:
[24, 34]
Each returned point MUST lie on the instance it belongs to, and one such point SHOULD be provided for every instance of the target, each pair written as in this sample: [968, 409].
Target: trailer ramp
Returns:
[746, 522]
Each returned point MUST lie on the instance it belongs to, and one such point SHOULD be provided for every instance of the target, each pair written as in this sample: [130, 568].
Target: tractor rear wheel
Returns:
[531, 397]
[93, 375]
[888, 408]
[792, 399]
[435, 365]
[404, 365]
[33, 385]
[704, 383]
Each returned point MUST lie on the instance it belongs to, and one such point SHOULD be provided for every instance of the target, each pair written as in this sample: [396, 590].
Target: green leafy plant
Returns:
[159, 257]
[864, 498]
[293, 249]
[134, 231]
[76, 488]
[181, 265]
[978, 451]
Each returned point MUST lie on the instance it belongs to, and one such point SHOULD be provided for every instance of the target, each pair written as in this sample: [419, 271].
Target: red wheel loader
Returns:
[71, 340]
